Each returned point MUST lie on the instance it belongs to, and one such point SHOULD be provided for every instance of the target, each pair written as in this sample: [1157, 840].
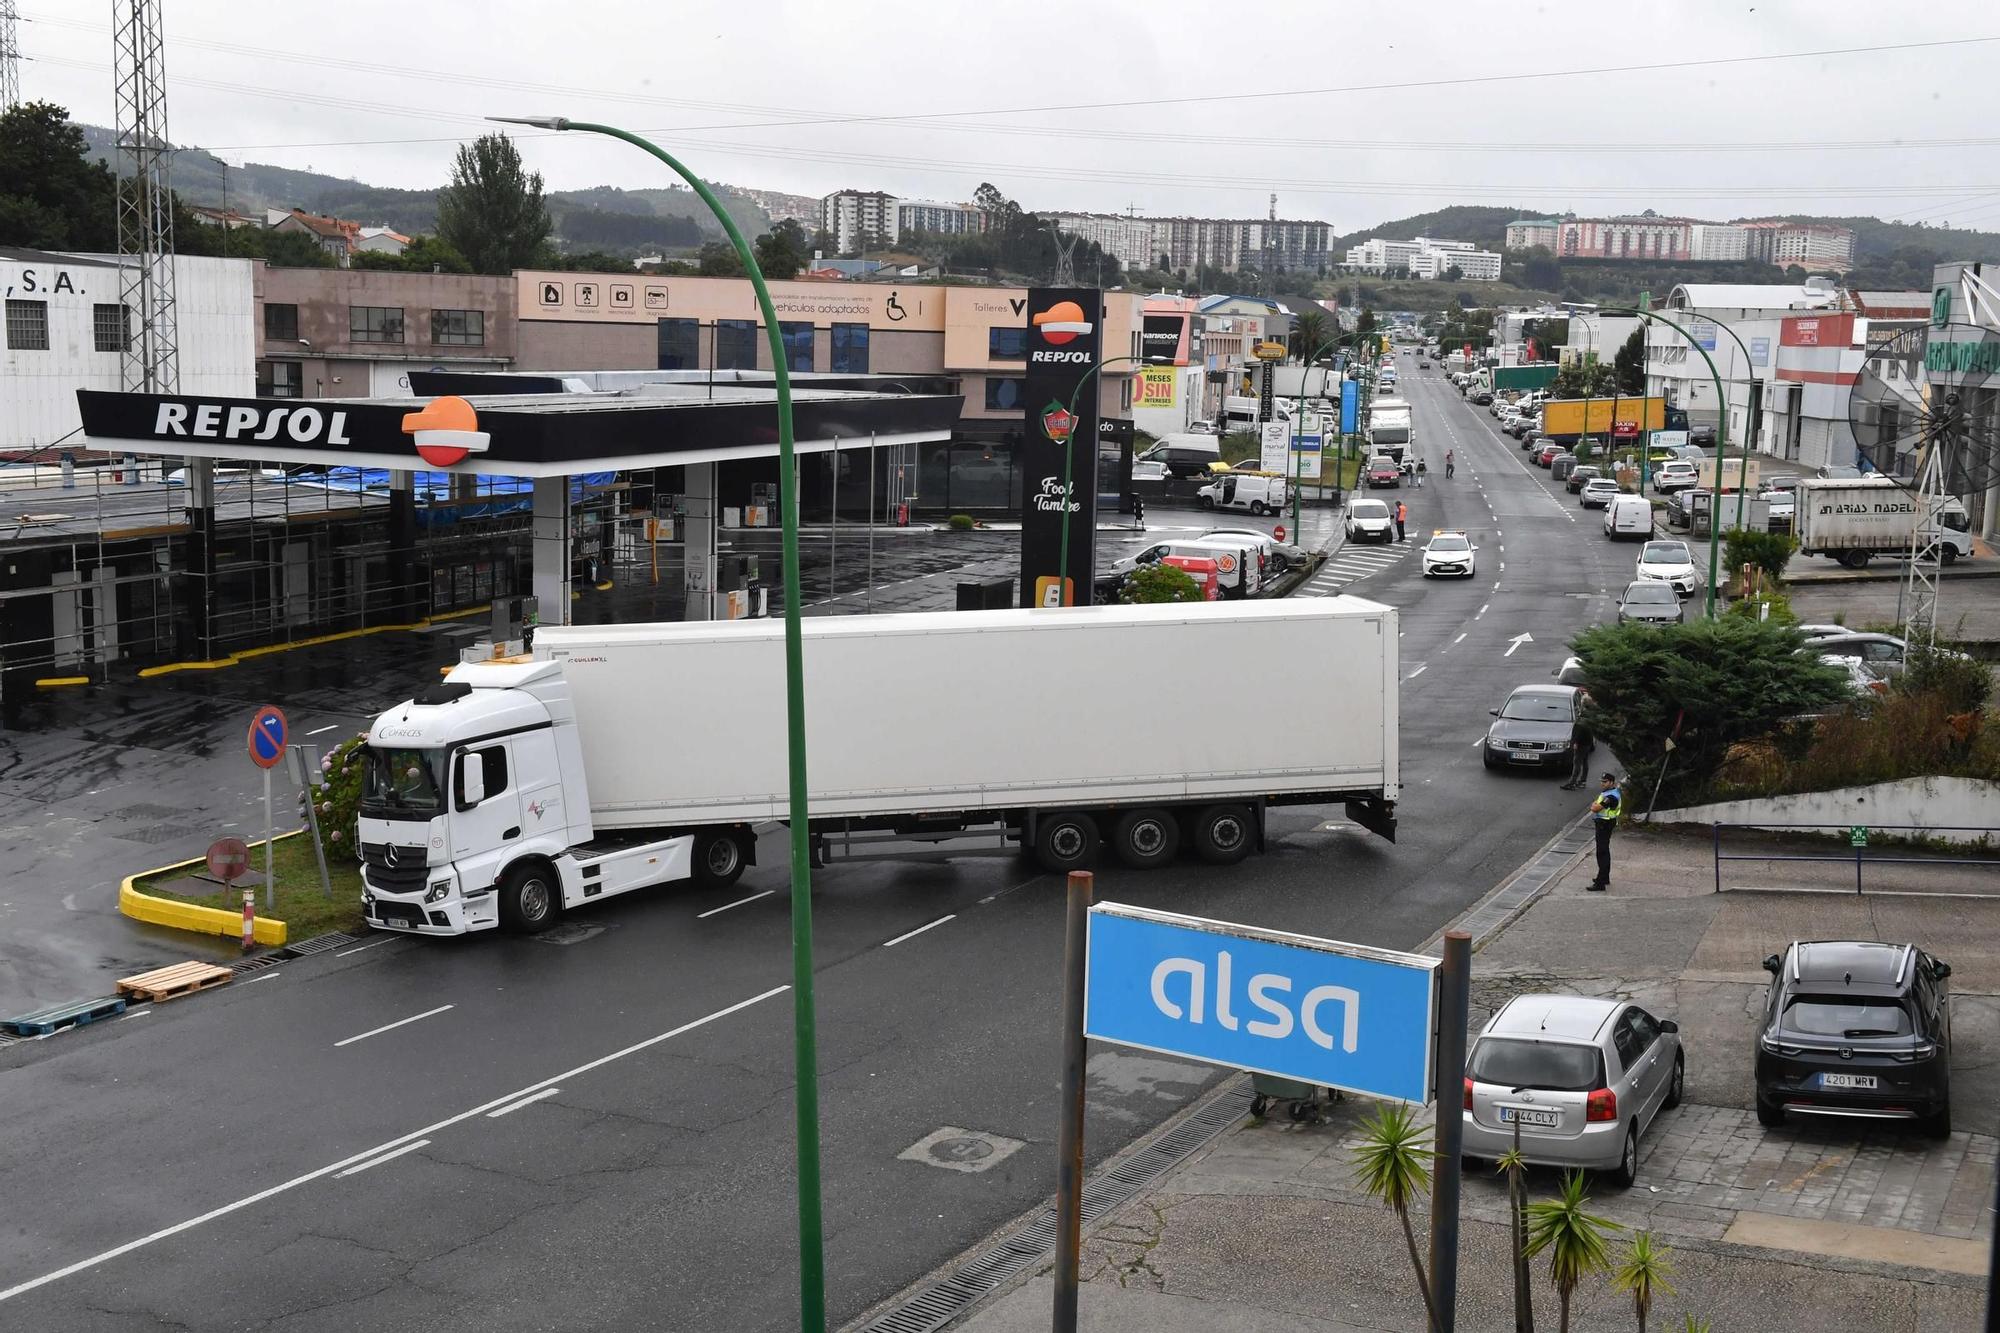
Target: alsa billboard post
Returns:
[1065, 338]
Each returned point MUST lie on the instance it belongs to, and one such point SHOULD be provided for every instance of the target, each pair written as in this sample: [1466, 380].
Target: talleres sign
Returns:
[1059, 434]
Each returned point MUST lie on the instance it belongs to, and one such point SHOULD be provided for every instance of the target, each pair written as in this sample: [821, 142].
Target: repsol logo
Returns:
[240, 421]
[1044, 357]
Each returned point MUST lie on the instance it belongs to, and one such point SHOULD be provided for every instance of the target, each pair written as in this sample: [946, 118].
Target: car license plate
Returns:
[1529, 1116]
[400, 914]
[1847, 1080]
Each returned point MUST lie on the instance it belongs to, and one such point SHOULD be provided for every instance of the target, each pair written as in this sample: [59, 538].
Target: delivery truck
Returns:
[1391, 430]
[1854, 519]
[621, 756]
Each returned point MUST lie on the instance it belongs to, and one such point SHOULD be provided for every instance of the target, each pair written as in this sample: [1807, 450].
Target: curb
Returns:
[242, 655]
[193, 917]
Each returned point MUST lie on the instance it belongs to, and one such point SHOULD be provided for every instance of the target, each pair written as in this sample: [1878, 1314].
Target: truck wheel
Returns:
[1259, 508]
[1065, 840]
[530, 898]
[718, 859]
[1222, 834]
[1949, 555]
[1854, 559]
[1146, 838]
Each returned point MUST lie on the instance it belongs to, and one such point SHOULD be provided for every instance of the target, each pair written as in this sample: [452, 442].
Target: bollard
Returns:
[249, 918]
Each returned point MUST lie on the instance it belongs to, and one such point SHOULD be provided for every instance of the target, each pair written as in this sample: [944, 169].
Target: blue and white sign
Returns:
[1703, 331]
[1306, 443]
[1318, 1011]
[1350, 406]
[1760, 351]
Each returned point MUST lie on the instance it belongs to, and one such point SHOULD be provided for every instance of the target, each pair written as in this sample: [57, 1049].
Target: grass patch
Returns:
[301, 904]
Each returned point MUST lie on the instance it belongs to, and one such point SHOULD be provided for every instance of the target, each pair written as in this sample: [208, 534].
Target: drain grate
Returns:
[317, 944]
[1108, 1189]
[257, 964]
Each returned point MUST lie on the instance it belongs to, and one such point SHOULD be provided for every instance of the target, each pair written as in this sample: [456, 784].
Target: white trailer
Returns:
[628, 755]
[1853, 519]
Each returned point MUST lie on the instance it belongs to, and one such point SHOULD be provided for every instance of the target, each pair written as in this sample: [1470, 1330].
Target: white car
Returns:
[1449, 555]
[1675, 476]
[1143, 470]
[1668, 562]
[1370, 521]
[1597, 492]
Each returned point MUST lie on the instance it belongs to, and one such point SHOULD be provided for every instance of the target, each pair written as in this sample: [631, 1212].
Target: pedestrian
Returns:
[1420, 474]
[1580, 745]
[1604, 812]
[1448, 465]
[1402, 516]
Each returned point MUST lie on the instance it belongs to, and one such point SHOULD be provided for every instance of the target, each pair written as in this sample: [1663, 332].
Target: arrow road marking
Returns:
[1516, 642]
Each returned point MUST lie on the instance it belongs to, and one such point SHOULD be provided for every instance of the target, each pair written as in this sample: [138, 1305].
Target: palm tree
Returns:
[1515, 1168]
[1574, 1239]
[1644, 1274]
[1308, 332]
[1393, 1159]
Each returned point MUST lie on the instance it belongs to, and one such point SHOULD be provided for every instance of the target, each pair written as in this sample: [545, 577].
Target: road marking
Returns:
[362, 948]
[317, 731]
[390, 1027]
[268, 976]
[1418, 672]
[1516, 642]
[165, 1233]
[738, 903]
[136, 1013]
[919, 930]
[385, 1157]
[512, 1107]
[1460, 639]
[1483, 606]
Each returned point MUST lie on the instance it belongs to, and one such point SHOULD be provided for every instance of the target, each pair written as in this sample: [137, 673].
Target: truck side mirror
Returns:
[1774, 964]
[471, 780]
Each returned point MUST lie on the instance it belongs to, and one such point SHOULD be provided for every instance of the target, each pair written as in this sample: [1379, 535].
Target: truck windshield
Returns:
[400, 784]
[1390, 434]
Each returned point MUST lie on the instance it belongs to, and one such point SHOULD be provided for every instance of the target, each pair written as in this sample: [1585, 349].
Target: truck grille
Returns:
[408, 873]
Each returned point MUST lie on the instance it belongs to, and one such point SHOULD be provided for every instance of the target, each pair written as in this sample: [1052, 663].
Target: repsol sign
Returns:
[251, 423]
[1044, 356]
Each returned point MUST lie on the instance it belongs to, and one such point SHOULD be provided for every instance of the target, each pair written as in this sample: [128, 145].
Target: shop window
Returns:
[281, 322]
[798, 340]
[458, 328]
[680, 344]
[1007, 344]
[375, 323]
[735, 344]
[1003, 394]
[110, 327]
[850, 349]
[28, 326]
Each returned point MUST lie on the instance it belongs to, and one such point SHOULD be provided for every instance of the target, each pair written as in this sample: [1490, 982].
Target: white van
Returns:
[1260, 494]
[1628, 516]
[1239, 564]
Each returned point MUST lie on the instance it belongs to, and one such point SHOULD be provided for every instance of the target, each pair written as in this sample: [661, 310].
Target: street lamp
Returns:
[812, 1245]
[1069, 459]
[1298, 415]
[1721, 450]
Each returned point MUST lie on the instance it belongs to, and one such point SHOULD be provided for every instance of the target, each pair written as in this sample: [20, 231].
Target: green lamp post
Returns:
[1069, 455]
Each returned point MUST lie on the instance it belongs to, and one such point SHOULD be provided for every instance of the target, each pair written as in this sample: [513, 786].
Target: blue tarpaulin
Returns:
[496, 496]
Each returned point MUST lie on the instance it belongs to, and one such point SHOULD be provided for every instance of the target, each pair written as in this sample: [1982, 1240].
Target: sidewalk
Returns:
[1867, 1228]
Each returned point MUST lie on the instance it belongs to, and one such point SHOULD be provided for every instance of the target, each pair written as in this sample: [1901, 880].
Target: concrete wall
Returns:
[1969, 803]
[333, 365]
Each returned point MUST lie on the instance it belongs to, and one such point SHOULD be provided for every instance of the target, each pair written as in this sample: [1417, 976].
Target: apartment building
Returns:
[851, 217]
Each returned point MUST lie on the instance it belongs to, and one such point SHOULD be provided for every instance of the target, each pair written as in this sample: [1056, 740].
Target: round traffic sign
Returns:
[268, 733]
[228, 858]
[1279, 532]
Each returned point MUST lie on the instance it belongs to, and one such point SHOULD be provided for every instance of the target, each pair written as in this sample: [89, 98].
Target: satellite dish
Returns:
[1905, 417]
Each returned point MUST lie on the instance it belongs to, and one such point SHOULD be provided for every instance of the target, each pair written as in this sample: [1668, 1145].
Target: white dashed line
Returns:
[1460, 639]
[377, 1161]
[910, 935]
[390, 1027]
[512, 1107]
[699, 916]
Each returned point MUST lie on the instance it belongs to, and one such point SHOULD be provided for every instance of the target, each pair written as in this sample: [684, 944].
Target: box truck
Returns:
[1854, 519]
[623, 756]
[1391, 430]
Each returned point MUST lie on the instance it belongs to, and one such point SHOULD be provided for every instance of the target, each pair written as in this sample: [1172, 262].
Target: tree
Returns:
[1630, 363]
[1540, 269]
[1644, 1273]
[1160, 583]
[1309, 332]
[1367, 322]
[493, 212]
[1573, 1239]
[1392, 1157]
[1454, 273]
[424, 254]
[1706, 686]
[52, 196]
[279, 249]
[783, 251]
[1515, 1167]
[592, 261]
[718, 259]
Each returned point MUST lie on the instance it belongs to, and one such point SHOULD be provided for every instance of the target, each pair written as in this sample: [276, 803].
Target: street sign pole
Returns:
[270, 883]
[268, 734]
[305, 765]
[1454, 1003]
[1069, 1147]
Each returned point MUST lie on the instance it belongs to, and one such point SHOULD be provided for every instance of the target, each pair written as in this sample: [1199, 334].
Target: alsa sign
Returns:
[444, 432]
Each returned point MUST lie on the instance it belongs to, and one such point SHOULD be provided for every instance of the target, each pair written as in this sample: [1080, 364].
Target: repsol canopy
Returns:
[527, 435]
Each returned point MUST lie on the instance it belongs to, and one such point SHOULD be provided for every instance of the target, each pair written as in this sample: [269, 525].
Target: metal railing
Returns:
[1859, 854]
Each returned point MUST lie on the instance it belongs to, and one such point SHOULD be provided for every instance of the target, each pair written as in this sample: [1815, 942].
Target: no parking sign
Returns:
[268, 733]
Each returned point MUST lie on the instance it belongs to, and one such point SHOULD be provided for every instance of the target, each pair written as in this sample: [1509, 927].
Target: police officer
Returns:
[1604, 812]
[1402, 514]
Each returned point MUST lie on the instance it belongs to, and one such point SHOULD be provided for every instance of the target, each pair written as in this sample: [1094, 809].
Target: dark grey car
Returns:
[1535, 728]
[1650, 602]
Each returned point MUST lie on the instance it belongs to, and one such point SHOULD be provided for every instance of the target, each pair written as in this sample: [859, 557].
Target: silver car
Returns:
[1582, 1078]
[1650, 603]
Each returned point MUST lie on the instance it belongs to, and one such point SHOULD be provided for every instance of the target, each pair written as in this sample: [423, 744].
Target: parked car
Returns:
[1881, 654]
[1547, 454]
[1448, 554]
[1260, 493]
[1570, 672]
[1702, 435]
[1670, 562]
[1384, 471]
[1581, 473]
[1370, 521]
[1562, 465]
[1186, 454]
[1649, 602]
[1535, 728]
[1281, 555]
[1627, 516]
[1583, 1078]
[1675, 476]
[1857, 1028]
[1483, 398]
[1146, 469]
[1598, 492]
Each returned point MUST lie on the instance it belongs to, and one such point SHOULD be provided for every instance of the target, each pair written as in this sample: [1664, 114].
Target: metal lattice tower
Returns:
[145, 203]
[1065, 266]
[10, 57]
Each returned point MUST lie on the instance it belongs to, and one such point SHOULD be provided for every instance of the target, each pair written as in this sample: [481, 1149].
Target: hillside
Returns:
[1483, 226]
[601, 218]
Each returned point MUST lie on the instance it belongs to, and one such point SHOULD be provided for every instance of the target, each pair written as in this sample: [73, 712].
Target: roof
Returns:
[1536, 222]
[334, 229]
[1750, 296]
[1847, 962]
[369, 233]
[1563, 1017]
[22, 255]
[1885, 303]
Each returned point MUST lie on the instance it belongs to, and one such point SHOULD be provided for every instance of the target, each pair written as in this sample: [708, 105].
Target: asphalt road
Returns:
[347, 1141]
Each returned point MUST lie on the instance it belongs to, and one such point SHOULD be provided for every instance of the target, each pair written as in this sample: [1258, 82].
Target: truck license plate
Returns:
[1529, 1116]
[1847, 1080]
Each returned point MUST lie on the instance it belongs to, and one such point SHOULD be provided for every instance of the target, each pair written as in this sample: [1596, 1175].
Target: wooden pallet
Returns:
[170, 983]
[44, 1021]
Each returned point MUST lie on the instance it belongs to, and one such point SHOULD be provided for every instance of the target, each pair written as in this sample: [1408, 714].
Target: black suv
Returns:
[1856, 1028]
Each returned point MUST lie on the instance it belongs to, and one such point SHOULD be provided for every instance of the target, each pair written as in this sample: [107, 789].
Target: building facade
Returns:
[855, 217]
[1127, 239]
[1425, 257]
[1234, 244]
[357, 333]
[936, 219]
[1642, 237]
[1526, 233]
[1717, 242]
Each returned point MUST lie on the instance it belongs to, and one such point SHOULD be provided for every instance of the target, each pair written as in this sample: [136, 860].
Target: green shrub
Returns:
[338, 801]
[1161, 583]
[1753, 608]
[1766, 552]
[1960, 681]
[961, 522]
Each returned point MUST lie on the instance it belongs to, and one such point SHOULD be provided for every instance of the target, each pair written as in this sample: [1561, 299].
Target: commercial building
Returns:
[857, 217]
[357, 333]
[1965, 308]
[1718, 242]
[1755, 313]
[1425, 257]
[1526, 233]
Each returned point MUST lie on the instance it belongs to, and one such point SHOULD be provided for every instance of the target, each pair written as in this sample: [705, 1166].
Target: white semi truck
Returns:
[629, 755]
[1854, 519]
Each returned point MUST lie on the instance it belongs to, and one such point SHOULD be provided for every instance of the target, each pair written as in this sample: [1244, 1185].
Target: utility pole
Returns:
[151, 361]
[10, 57]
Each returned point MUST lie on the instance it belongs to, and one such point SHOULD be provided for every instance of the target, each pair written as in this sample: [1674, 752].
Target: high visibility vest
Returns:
[1608, 806]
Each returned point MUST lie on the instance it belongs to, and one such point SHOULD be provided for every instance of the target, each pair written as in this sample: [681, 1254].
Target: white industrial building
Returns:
[66, 330]
[1425, 257]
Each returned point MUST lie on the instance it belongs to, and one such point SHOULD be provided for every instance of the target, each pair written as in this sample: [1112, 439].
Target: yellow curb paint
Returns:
[177, 915]
[1844, 1240]
[244, 655]
[57, 682]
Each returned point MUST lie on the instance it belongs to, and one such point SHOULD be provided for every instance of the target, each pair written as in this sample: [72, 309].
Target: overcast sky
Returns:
[383, 92]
